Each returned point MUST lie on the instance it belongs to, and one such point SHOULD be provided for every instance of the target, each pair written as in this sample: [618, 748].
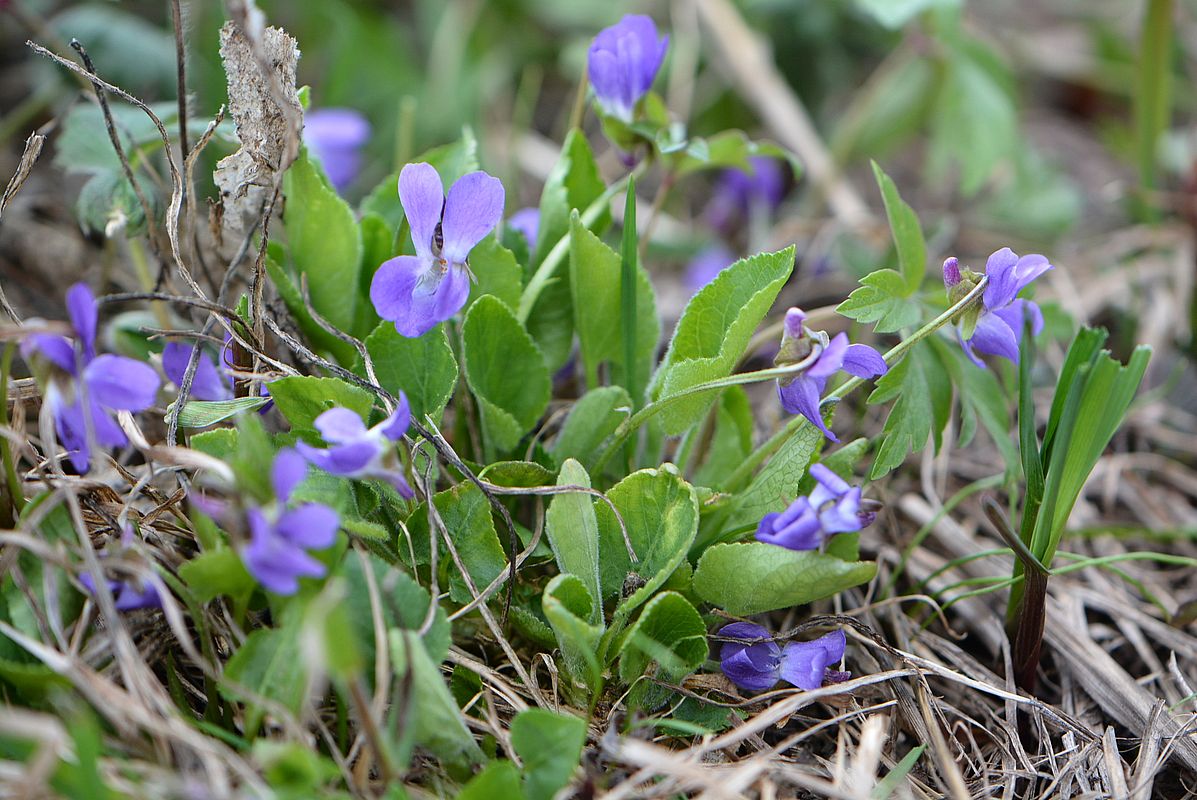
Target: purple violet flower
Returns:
[801, 394]
[527, 222]
[335, 136]
[703, 268]
[623, 63]
[107, 383]
[995, 328]
[208, 383]
[738, 193]
[417, 292]
[758, 663]
[280, 537]
[833, 507]
[357, 452]
[127, 596]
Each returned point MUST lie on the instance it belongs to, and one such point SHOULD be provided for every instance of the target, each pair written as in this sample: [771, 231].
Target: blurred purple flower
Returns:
[280, 537]
[833, 507]
[127, 596]
[527, 222]
[757, 663]
[106, 383]
[623, 63]
[335, 136]
[703, 268]
[357, 452]
[996, 328]
[210, 382]
[417, 292]
[738, 192]
[801, 394]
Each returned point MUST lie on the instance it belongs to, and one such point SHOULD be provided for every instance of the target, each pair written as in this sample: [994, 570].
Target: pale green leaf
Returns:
[423, 368]
[573, 533]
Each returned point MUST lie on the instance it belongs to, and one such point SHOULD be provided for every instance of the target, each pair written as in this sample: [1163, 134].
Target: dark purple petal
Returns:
[72, 430]
[121, 383]
[527, 222]
[828, 485]
[804, 664]
[391, 293]
[58, 349]
[288, 471]
[346, 460]
[1014, 315]
[423, 198]
[311, 526]
[81, 307]
[801, 396]
[340, 425]
[394, 426]
[831, 360]
[623, 62]
[842, 516]
[1003, 284]
[128, 598]
[397, 481]
[104, 427]
[797, 529]
[207, 383]
[951, 272]
[334, 136]
[472, 210]
[750, 666]
[994, 337]
[794, 322]
[703, 268]
[275, 562]
[967, 347]
[864, 362]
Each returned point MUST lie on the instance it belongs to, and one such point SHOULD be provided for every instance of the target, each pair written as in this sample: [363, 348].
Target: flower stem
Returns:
[12, 485]
[774, 443]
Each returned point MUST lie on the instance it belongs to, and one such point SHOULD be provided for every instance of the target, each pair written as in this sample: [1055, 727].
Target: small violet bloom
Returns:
[357, 452]
[335, 136]
[739, 194]
[280, 537]
[703, 268]
[209, 381]
[623, 63]
[995, 328]
[127, 596]
[823, 358]
[833, 507]
[527, 222]
[105, 383]
[757, 663]
[417, 292]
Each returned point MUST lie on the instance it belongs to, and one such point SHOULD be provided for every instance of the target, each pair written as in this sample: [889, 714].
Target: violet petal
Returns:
[121, 383]
[472, 210]
[423, 198]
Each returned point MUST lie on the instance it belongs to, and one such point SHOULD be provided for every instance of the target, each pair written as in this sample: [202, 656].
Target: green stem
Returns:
[774, 443]
[13, 482]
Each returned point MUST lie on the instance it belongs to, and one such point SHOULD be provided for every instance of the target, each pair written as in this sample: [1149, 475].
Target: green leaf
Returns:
[669, 632]
[217, 572]
[108, 199]
[573, 533]
[550, 746]
[777, 483]
[573, 183]
[660, 511]
[882, 298]
[713, 331]
[497, 272]
[752, 577]
[924, 401]
[466, 513]
[1153, 86]
[732, 440]
[423, 368]
[319, 338]
[302, 398]
[907, 233]
[728, 149]
[567, 606]
[378, 245]
[83, 144]
[591, 421]
[431, 717]
[522, 474]
[981, 399]
[324, 242]
[975, 122]
[202, 413]
[498, 780]
[270, 664]
[505, 371]
[595, 277]
[894, 14]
